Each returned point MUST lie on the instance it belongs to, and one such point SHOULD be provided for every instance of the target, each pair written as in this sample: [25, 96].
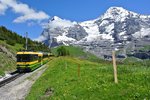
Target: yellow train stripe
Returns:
[37, 53]
[27, 63]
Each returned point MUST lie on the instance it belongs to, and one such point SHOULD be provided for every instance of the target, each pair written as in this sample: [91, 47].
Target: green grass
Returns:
[79, 53]
[12, 49]
[61, 81]
[132, 61]
[146, 48]
[6, 62]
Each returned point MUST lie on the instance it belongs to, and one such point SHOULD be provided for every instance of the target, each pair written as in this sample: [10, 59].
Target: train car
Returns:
[28, 61]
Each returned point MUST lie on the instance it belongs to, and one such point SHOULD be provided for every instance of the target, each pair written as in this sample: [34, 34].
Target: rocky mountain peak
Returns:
[118, 14]
[116, 9]
[55, 18]
[116, 26]
[115, 13]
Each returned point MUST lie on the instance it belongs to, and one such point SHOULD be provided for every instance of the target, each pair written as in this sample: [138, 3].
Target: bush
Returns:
[2, 38]
[62, 51]
[11, 42]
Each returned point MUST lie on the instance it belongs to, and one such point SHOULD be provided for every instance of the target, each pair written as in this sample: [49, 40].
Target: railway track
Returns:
[9, 78]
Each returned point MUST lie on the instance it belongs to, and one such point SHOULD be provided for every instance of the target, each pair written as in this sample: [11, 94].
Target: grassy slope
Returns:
[7, 63]
[79, 53]
[96, 80]
[146, 48]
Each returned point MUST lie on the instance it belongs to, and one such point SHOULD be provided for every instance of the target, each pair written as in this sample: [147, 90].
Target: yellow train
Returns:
[29, 61]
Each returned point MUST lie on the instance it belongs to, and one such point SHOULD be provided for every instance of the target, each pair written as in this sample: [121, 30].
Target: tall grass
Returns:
[61, 81]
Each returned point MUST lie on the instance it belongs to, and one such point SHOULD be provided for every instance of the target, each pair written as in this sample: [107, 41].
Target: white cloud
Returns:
[33, 16]
[62, 23]
[24, 10]
[58, 22]
[40, 38]
[3, 7]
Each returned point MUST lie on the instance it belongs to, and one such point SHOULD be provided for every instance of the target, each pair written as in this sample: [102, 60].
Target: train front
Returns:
[28, 61]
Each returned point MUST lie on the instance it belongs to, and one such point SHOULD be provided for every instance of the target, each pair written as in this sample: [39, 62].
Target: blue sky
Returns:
[27, 15]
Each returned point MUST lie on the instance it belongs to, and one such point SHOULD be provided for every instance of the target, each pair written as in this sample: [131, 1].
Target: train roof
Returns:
[28, 52]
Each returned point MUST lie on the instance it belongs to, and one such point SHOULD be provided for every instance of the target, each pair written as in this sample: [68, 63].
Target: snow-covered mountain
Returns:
[60, 31]
[116, 26]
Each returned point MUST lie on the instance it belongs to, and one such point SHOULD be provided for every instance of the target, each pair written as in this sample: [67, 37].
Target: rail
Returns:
[9, 78]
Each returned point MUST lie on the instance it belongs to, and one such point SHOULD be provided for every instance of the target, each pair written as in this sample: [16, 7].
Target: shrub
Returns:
[62, 51]
[11, 42]
[2, 38]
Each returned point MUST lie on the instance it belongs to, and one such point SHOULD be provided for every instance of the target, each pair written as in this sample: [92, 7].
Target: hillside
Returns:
[95, 81]
[78, 53]
[13, 38]
[7, 58]
[61, 81]
[10, 43]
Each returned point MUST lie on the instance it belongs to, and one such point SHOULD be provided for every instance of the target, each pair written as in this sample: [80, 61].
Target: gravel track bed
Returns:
[19, 88]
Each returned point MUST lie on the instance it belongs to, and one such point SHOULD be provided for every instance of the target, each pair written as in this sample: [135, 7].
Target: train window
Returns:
[23, 58]
[45, 55]
[27, 57]
[34, 57]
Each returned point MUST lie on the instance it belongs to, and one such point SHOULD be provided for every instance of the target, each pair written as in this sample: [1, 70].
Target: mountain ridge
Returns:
[116, 26]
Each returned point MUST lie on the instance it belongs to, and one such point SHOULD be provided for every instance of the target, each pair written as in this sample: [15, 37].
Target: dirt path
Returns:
[19, 88]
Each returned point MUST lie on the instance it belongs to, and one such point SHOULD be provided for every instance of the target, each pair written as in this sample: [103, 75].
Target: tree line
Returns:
[12, 38]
